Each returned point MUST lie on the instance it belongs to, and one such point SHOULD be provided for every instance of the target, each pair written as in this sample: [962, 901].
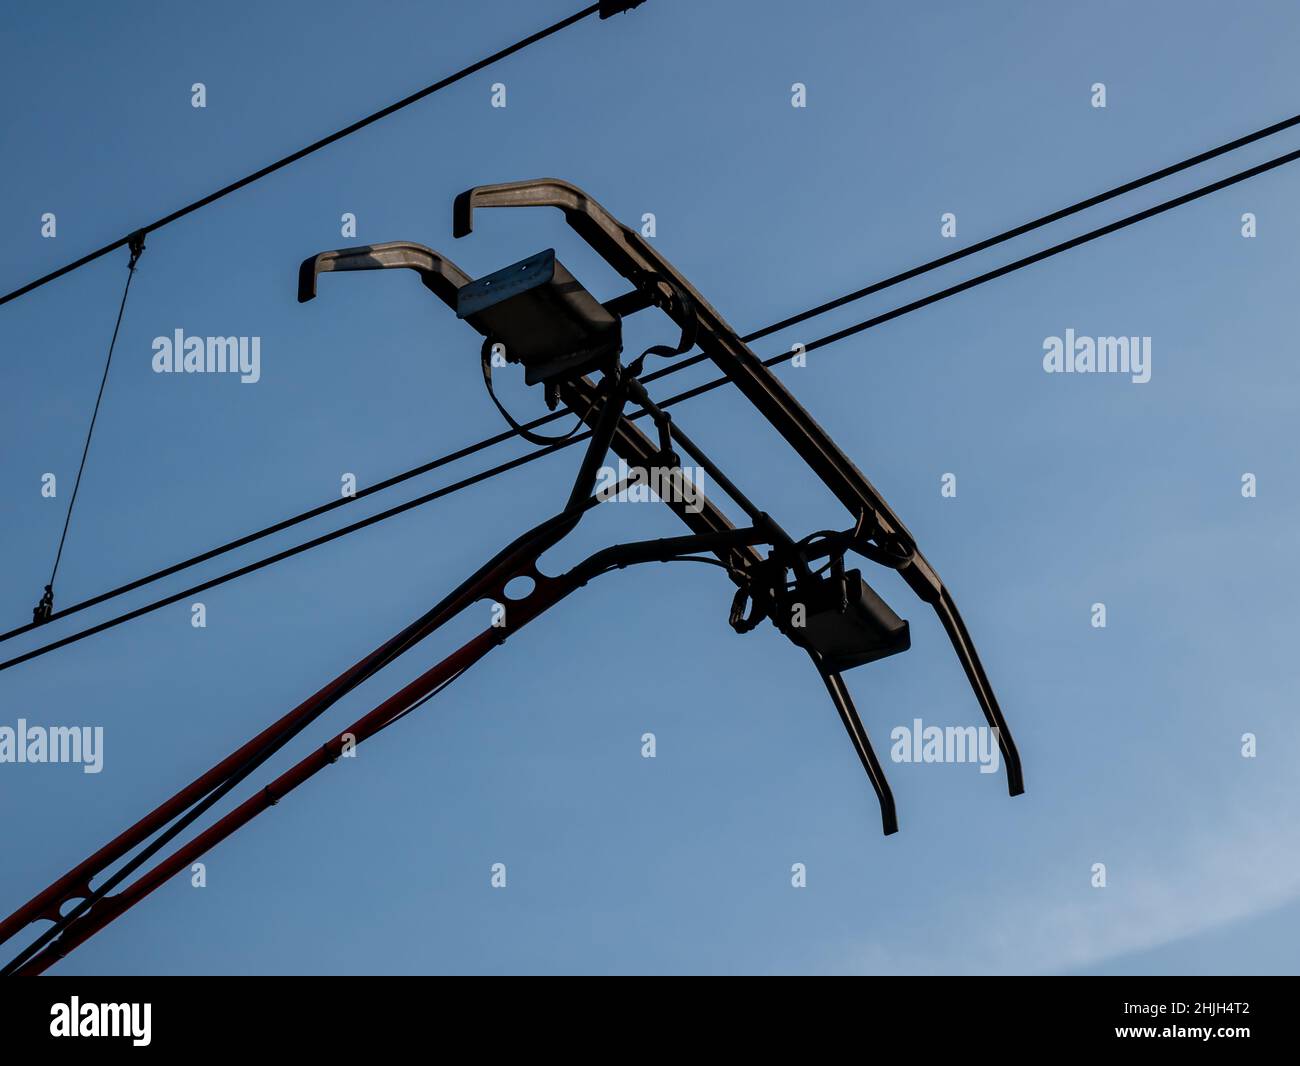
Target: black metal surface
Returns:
[848, 713]
[845, 622]
[543, 317]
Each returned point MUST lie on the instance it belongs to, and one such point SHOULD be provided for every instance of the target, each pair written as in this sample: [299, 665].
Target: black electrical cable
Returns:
[519, 429]
[1028, 227]
[338, 135]
[1029, 260]
[1000, 238]
[419, 703]
[680, 397]
[980, 279]
[701, 559]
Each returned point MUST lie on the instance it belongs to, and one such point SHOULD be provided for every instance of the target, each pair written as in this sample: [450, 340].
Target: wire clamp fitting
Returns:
[136, 243]
[610, 8]
[43, 610]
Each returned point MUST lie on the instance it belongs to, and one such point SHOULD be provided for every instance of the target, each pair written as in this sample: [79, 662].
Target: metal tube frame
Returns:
[546, 593]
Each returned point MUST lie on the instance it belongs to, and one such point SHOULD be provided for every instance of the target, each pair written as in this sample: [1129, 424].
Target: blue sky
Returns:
[1072, 490]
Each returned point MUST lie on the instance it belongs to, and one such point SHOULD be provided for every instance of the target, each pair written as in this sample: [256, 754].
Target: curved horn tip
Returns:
[462, 214]
[307, 280]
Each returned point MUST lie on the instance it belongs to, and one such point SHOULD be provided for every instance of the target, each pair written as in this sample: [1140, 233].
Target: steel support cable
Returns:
[301, 153]
[46, 605]
[673, 368]
[680, 397]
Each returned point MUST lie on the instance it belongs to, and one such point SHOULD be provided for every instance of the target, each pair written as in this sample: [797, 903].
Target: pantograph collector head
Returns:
[537, 314]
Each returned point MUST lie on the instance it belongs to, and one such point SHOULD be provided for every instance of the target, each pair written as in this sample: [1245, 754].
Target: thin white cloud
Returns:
[1248, 865]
